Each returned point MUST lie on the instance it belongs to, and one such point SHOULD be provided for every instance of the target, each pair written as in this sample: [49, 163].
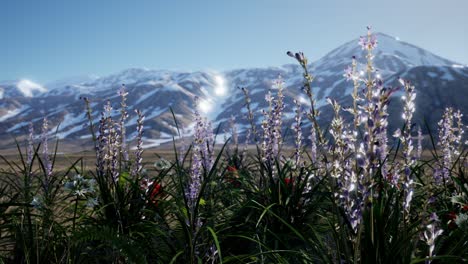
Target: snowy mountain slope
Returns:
[439, 83]
[20, 88]
[153, 92]
[392, 57]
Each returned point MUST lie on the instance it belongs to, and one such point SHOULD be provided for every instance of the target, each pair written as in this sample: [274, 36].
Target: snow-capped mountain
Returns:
[20, 88]
[439, 83]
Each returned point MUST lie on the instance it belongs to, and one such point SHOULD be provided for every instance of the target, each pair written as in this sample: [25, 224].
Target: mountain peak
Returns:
[391, 55]
[21, 88]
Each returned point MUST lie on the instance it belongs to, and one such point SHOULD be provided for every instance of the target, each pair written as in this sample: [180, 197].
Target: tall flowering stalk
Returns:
[234, 132]
[338, 150]
[112, 151]
[369, 43]
[250, 117]
[420, 139]
[351, 74]
[89, 116]
[45, 152]
[123, 117]
[102, 141]
[307, 88]
[407, 140]
[202, 157]
[272, 124]
[373, 113]
[341, 169]
[450, 141]
[298, 135]
[138, 166]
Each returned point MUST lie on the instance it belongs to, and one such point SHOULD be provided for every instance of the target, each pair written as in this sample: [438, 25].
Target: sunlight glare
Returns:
[220, 86]
[205, 106]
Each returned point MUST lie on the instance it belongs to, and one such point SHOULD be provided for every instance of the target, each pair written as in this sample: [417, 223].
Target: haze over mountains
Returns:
[439, 83]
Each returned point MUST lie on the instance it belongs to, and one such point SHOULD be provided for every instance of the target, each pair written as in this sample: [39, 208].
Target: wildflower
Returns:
[139, 148]
[162, 164]
[233, 130]
[430, 236]
[37, 202]
[156, 193]
[420, 139]
[288, 181]
[434, 218]
[272, 124]
[298, 133]
[123, 116]
[368, 42]
[202, 157]
[299, 56]
[250, 117]
[80, 186]
[45, 149]
[451, 215]
[232, 176]
[407, 140]
[91, 202]
[450, 133]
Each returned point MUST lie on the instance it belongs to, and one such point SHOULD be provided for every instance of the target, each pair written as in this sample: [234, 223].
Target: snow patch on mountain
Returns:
[12, 113]
[27, 87]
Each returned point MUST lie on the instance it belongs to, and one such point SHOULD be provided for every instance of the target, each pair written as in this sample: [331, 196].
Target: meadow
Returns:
[353, 192]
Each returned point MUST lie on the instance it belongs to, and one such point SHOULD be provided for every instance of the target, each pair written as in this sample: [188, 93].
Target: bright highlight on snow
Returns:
[27, 87]
[220, 86]
[205, 106]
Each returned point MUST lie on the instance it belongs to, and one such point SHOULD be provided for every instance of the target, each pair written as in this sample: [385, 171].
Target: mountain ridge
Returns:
[155, 91]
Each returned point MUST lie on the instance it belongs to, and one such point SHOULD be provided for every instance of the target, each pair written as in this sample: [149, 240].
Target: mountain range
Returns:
[439, 83]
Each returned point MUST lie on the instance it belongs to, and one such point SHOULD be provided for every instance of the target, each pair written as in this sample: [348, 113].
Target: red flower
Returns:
[465, 208]
[451, 223]
[232, 176]
[452, 215]
[288, 181]
[156, 193]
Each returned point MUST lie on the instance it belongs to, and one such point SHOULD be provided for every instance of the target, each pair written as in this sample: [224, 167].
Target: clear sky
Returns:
[45, 40]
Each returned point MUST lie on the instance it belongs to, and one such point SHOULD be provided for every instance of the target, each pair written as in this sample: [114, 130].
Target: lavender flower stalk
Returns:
[45, 149]
[298, 132]
[102, 142]
[338, 149]
[139, 148]
[234, 133]
[407, 140]
[449, 143]
[308, 78]
[123, 116]
[419, 149]
[351, 73]
[250, 115]
[202, 156]
[341, 169]
[272, 138]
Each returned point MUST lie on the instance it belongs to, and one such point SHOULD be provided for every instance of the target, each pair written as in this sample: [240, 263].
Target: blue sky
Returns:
[48, 40]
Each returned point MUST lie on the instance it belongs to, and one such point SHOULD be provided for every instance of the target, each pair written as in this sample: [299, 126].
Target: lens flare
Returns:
[205, 106]
[220, 86]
